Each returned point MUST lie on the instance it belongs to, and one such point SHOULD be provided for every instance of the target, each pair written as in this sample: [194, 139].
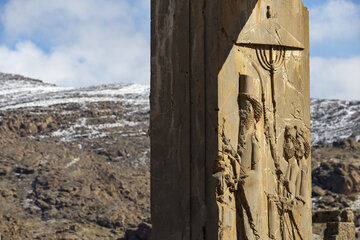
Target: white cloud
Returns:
[87, 41]
[336, 19]
[335, 78]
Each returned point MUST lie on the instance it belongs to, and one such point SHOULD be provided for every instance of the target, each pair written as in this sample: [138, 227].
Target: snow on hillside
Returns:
[15, 93]
[18, 92]
[331, 119]
[97, 117]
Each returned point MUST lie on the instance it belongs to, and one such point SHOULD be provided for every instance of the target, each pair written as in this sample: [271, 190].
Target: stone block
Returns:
[339, 231]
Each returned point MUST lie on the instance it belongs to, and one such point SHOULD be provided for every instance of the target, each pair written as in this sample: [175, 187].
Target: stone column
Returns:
[230, 120]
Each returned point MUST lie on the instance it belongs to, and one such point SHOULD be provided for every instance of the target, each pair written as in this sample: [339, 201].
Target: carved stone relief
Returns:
[230, 120]
[263, 165]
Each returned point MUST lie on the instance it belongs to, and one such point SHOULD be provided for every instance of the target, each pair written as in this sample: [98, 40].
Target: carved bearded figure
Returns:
[248, 195]
[296, 153]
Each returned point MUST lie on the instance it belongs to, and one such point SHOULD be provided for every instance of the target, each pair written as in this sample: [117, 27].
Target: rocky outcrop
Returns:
[341, 178]
[335, 179]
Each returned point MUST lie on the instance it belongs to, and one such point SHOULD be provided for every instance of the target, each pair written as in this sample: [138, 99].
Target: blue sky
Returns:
[334, 48]
[326, 19]
[88, 42]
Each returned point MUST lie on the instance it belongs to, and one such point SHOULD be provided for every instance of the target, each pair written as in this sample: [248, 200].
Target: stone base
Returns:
[340, 231]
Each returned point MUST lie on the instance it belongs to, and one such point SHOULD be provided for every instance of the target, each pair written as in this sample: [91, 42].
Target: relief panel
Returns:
[263, 167]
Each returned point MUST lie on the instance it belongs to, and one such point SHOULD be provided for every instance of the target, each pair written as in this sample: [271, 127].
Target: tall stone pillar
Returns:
[230, 120]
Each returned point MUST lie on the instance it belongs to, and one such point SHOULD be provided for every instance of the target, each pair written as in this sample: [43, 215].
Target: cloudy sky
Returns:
[88, 42]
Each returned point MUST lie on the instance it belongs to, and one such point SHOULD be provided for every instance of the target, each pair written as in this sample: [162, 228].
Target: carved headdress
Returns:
[247, 91]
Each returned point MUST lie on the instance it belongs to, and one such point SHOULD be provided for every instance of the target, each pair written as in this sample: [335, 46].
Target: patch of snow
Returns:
[30, 94]
[27, 203]
[82, 100]
[42, 162]
[120, 123]
[129, 89]
[333, 120]
[317, 237]
[72, 162]
[83, 129]
[356, 204]
[141, 161]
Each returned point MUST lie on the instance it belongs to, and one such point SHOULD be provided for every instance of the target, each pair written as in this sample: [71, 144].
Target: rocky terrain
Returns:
[335, 133]
[75, 161]
[334, 120]
[336, 179]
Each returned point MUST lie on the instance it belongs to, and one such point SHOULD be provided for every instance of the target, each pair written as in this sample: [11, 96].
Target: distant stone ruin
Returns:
[339, 224]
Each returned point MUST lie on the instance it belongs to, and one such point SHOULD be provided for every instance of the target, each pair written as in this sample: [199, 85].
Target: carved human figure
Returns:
[248, 194]
[226, 172]
[296, 153]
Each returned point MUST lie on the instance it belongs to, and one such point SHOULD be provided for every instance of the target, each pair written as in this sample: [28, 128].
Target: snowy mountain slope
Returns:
[74, 161]
[332, 120]
[26, 93]
[97, 118]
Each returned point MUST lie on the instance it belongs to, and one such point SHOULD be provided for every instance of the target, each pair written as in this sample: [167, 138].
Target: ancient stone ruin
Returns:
[230, 120]
[339, 224]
